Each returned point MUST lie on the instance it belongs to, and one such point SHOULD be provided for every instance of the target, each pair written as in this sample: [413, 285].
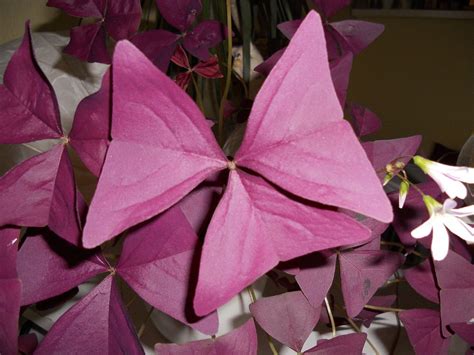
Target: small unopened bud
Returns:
[404, 187]
[387, 178]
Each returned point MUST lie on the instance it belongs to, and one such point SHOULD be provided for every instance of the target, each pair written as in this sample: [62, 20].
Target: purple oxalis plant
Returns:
[301, 195]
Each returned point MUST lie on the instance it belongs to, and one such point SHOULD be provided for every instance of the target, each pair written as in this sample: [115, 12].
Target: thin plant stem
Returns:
[220, 124]
[252, 295]
[385, 309]
[198, 93]
[404, 178]
[129, 303]
[143, 326]
[32, 148]
[331, 318]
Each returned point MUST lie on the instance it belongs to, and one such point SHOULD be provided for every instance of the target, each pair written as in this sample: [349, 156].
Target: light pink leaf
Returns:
[157, 261]
[88, 43]
[276, 229]
[423, 327]
[296, 136]
[48, 267]
[98, 324]
[422, 278]
[348, 344]
[364, 121]
[358, 35]
[41, 191]
[186, 150]
[242, 340]
[29, 109]
[91, 127]
[362, 273]
[289, 318]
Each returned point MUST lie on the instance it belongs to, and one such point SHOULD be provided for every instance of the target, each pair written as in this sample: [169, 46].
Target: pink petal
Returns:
[289, 318]
[48, 267]
[157, 45]
[98, 324]
[204, 36]
[242, 340]
[422, 278]
[122, 18]
[296, 136]
[41, 191]
[362, 273]
[328, 8]
[28, 106]
[349, 344]
[424, 331]
[80, 8]
[179, 13]
[364, 121]
[91, 127]
[276, 228]
[132, 190]
[358, 35]
[88, 43]
[157, 262]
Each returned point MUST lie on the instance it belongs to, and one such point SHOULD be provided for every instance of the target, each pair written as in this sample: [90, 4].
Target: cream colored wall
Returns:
[419, 77]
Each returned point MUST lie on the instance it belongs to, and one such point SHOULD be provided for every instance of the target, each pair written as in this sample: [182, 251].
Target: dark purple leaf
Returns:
[266, 67]
[91, 127]
[358, 35]
[179, 13]
[28, 105]
[27, 343]
[157, 45]
[465, 331]
[364, 121]
[98, 324]
[349, 344]
[80, 8]
[88, 43]
[289, 28]
[340, 72]
[242, 340]
[204, 36]
[366, 316]
[424, 331]
[289, 318]
[422, 278]
[157, 262]
[122, 18]
[362, 273]
[48, 266]
[328, 8]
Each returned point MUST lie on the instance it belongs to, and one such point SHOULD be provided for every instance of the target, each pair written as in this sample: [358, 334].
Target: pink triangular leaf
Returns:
[168, 167]
[276, 228]
[358, 35]
[296, 136]
[242, 340]
[422, 278]
[289, 318]
[48, 267]
[362, 273]
[157, 260]
[98, 324]
[349, 344]
[423, 327]
[29, 109]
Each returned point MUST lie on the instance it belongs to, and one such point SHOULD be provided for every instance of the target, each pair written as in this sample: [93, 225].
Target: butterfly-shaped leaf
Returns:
[423, 327]
[242, 340]
[349, 344]
[422, 278]
[356, 35]
[97, 324]
[362, 273]
[364, 121]
[10, 290]
[289, 318]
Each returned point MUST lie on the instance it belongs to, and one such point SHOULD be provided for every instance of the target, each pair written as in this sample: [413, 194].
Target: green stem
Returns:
[220, 124]
[384, 309]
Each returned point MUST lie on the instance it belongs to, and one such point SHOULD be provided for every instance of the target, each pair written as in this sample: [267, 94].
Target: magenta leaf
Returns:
[157, 260]
[340, 72]
[157, 45]
[266, 67]
[455, 276]
[357, 35]
[364, 121]
[349, 344]
[10, 290]
[289, 28]
[299, 157]
[48, 266]
[88, 43]
[29, 111]
[80, 8]
[123, 199]
[276, 229]
[91, 127]
[242, 340]
[122, 18]
[465, 331]
[367, 316]
[422, 278]
[204, 36]
[27, 343]
[362, 273]
[98, 324]
[383, 152]
[41, 191]
[180, 14]
[316, 279]
[423, 327]
[328, 8]
[289, 318]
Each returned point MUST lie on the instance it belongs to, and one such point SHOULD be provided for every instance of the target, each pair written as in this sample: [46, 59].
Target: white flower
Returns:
[449, 178]
[442, 217]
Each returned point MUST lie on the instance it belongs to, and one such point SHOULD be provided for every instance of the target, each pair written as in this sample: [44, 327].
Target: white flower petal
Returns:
[453, 188]
[422, 230]
[462, 212]
[458, 227]
[401, 199]
[449, 204]
[461, 173]
[440, 242]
